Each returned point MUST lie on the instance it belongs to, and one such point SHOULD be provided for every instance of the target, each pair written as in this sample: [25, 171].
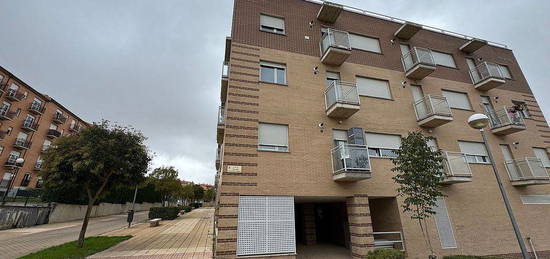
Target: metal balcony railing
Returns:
[12, 162]
[14, 95]
[484, 71]
[22, 143]
[348, 157]
[75, 128]
[6, 114]
[37, 108]
[432, 105]
[389, 240]
[221, 116]
[505, 116]
[341, 92]
[59, 118]
[455, 164]
[30, 125]
[417, 56]
[53, 133]
[334, 39]
[530, 168]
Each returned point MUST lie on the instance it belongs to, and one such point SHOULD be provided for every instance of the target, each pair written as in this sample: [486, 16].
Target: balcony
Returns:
[486, 76]
[407, 30]
[350, 163]
[335, 47]
[37, 108]
[6, 114]
[221, 124]
[29, 125]
[14, 95]
[472, 45]
[52, 133]
[432, 111]
[329, 12]
[75, 128]
[44, 148]
[225, 80]
[456, 168]
[219, 154]
[418, 63]
[21, 143]
[528, 171]
[505, 121]
[12, 164]
[38, 165]
[341, 100]
[59, 118]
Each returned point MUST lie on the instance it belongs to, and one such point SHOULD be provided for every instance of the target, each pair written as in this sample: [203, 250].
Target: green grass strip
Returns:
[68, 250]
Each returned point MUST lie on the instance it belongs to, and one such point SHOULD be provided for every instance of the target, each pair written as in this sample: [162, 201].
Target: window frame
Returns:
[478, 159]
[275, 67]
[370, 96]
[445, 53]
[265, 28]
[458, 92]
[507, 69]
[369, 37]
[269, 147]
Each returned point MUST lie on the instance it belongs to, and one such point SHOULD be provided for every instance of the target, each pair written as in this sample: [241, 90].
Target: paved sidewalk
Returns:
[189, 236]
[22, 241]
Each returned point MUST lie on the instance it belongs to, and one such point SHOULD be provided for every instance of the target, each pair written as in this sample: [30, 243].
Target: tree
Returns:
[209, 195]
[101, 157]
[420, 173]
[198, 191]
[187, 193]
[166, 182]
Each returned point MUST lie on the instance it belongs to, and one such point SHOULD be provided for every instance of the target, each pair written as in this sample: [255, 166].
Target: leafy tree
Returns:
[166, 182]
[187, 192]
[209, 194]
[420, 172]
[101, 157]
[199, 192]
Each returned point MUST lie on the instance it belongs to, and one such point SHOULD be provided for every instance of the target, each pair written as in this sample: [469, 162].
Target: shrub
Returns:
[385, 254]
[196, 205]
[165, 213]
[187, 208]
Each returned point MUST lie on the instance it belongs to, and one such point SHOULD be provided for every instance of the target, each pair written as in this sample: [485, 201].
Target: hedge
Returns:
[385, 254]
[165, 213]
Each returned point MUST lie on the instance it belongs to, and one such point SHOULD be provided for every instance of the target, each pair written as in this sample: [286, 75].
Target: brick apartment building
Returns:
[314, 99]
[29, 124]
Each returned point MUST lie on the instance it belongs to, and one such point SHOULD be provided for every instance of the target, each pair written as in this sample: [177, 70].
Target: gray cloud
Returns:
[156, 64]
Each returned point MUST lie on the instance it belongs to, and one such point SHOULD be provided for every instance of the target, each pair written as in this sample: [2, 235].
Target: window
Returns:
[272, 73]
[340, 137]
[443, 224]
[1, 150]
[373, 87]
[14, 87]
[5, 108]
[475, 152]
[521, 108]
[265, 225]
[53, 126]
[505, 71]
[5, 180]
[364, 43]
[36, 103]
[383, 145]
[272, 24]
[26, 179]
[443, 59]
[23, 136]
[273, 137]
[46, 145]
[535, 199]
[332, 76]
[8, 132]
[457, 100]
[29, 120]
[14, 155]
[541, 154]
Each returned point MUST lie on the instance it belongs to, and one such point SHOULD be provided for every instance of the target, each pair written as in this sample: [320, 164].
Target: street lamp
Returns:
[480, 121]
[18, 161]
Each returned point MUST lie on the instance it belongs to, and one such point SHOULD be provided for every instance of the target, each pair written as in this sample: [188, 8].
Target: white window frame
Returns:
[275, 67]
[381, 151]
[476, 158]
[435, 52]
[358, 36]
[357, 78]
[450, 102]
[505, 71]
[267, 28]
[545, 162]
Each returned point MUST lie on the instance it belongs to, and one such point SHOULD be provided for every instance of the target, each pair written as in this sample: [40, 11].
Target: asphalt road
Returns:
[22, 241]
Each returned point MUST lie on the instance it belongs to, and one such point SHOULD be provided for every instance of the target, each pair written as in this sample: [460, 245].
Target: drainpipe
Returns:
[530, 240]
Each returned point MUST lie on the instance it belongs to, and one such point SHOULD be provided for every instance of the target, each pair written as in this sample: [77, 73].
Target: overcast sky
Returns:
[156, 65]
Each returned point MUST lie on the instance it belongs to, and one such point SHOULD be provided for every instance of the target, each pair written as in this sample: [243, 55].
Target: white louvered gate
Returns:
[266, 225]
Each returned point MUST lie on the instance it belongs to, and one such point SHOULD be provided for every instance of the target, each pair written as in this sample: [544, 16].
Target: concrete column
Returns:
[308, 211]
[360, 225]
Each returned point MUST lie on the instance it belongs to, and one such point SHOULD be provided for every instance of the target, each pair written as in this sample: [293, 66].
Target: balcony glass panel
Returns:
[221, 115]
[432, 105]
[341, 92]
[417, 56]
[455, 164]
[485, 70]
[505, 116]
[347, 157]
[530, 168]
[335, 39]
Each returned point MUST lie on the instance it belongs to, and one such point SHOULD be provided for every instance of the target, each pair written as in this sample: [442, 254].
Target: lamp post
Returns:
[480, 121]
[18, 162]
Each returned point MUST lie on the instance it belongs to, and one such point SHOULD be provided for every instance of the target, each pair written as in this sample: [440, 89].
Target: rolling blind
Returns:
[536, 199]
[383, 141]
[273, 134]
[272, 22]
[443, 224]
[472, 148]
[373, 87]
[443, 59]
[340, 135]
[266, 225]
[541, 154]
[364, 43]
[457, 100]
[505, 71]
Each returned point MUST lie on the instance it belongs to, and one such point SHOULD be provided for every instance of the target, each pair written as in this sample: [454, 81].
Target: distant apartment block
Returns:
[315, 98]
[30, 122]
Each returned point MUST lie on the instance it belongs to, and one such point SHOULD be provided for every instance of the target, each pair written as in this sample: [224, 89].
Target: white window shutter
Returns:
[340, 135]
[273, 134]
[536, 199]
[377, 140]
[272, 22]
[443, 59]
[364, 43]
[472, 148]
[373, 87]
[541, 154]
[457, 100]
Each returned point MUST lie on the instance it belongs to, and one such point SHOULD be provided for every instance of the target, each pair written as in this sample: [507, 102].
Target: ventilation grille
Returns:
[266, 225]
[443, 224]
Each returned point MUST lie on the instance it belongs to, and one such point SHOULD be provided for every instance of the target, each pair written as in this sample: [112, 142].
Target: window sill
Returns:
[381, 157]
[455, 68]
[273, 151]
[272, 32]
[381, 98]
[460, 109]
[270, 83]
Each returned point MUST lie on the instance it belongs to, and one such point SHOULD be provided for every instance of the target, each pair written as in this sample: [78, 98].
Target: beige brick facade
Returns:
[479, 220]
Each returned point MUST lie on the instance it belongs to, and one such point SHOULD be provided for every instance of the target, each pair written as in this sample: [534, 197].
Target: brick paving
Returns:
[189, 236]
[22, 241]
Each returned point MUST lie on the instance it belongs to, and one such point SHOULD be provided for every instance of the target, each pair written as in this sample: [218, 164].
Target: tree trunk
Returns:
[85, 224]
